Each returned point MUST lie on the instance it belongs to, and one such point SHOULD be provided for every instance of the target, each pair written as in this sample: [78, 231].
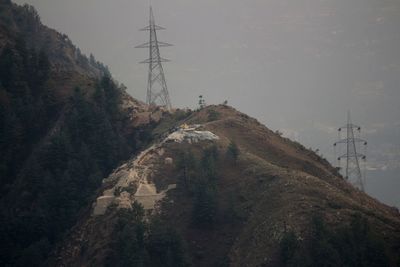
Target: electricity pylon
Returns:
[352, 156]
[157, 91]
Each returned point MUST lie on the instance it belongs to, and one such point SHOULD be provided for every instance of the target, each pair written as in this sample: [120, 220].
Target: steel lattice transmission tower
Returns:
[352, 170]
[157, 91]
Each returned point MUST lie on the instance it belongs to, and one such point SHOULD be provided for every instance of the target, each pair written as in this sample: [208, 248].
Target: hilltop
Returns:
[270, 206]
[90, 176]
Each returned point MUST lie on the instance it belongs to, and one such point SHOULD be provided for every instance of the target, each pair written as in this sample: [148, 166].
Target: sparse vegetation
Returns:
[168, 124]
[213, 115]
[138, 243]
[353, 245]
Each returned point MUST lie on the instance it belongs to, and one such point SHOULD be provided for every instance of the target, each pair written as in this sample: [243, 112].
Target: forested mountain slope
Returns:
[64, 125]
[92, 177]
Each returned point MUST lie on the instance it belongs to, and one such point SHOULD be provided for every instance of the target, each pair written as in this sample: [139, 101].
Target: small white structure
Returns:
[168, 161]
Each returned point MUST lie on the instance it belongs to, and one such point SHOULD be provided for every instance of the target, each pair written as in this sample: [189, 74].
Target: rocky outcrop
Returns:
[133, 175]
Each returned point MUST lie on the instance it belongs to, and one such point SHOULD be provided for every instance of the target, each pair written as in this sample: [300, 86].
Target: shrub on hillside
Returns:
[355, 244]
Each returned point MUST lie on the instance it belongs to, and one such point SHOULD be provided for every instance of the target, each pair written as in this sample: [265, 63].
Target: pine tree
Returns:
[204, 206]
[233, 151]
[186, 164]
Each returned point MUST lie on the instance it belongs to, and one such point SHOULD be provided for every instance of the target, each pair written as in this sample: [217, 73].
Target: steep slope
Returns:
[232, 193]
[24, 22]
[207, 188]
[64, 125]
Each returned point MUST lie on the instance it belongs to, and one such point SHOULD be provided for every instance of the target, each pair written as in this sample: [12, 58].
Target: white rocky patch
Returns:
[191, 135]
[136, 173]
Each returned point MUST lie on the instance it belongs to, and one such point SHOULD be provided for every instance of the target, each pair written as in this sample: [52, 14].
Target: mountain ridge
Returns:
[210, 187]
[291, 196]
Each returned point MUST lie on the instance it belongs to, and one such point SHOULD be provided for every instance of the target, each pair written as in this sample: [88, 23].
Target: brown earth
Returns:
[275, 186]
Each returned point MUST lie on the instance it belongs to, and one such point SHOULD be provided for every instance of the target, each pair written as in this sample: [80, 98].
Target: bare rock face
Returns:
[102, 204]
[147, 195]
[135, 173]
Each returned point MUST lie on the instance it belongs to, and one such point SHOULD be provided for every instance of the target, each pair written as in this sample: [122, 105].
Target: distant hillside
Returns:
[244, 196]
[24, 22]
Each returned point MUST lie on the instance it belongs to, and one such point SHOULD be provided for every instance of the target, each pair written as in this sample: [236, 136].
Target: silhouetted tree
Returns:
[233, 151]
[186, 164]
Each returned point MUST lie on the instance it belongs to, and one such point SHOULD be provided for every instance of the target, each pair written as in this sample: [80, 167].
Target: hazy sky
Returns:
[296, 65]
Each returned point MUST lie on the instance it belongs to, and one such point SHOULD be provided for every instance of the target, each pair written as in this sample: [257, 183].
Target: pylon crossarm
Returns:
[155, 27]
[351, 155]
[349, 140]
[154, 60]
[153, 44]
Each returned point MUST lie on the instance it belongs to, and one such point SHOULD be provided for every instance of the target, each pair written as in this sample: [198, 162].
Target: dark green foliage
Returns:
[26, 110]
[139, 244]
[205, 204]
[104, 69]
[233, 212]
[35, 254]
[367, 246]
[186, 164]
[353, 245]
[233, 151]
[213, 115]
[128, 250]
[53, 155]
[8, 68]
[165, 246]
[288, 247]
[202, 102]
[7, 2]
[208, 163]
[199, 179]
[321, 250]
[130, 246]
